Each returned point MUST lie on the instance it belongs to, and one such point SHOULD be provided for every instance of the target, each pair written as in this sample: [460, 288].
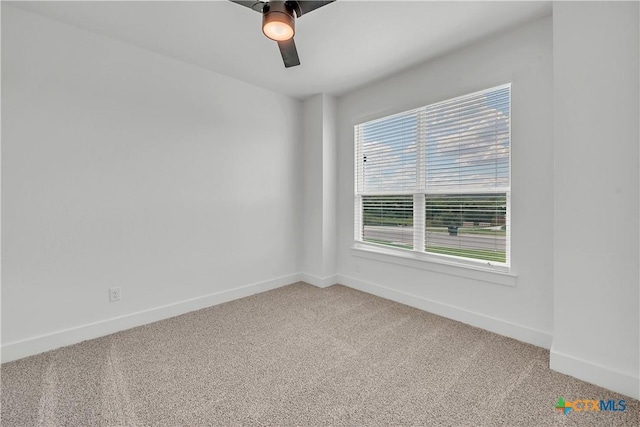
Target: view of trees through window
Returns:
[468, 225]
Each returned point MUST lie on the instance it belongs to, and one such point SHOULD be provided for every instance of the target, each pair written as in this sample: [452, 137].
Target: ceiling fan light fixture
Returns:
[278, 22]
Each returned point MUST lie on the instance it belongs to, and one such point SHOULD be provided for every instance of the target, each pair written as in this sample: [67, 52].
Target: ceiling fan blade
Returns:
[302, 7]
[255, 5]
[289, 53]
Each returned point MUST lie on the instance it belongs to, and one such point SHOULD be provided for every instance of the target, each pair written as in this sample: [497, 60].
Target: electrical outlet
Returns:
[114, 294]
[357, 267]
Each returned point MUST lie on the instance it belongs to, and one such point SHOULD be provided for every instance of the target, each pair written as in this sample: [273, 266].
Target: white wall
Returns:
[596, 72]
[312, 183]
[125, 168]
[319, 177]
[330, 187]
[522, 56]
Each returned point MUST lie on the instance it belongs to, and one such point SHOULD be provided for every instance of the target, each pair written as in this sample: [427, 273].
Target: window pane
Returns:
[467, 225]
[388, 220]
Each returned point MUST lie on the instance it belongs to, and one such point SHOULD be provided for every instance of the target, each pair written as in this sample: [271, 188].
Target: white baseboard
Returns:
[502, 327]
[30, 346]
[595, 374]
[321, 282]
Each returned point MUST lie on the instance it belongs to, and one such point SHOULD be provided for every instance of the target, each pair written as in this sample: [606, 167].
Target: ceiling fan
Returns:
[278, 23]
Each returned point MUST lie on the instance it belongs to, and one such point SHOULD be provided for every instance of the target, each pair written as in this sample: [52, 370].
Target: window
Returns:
[436, 180]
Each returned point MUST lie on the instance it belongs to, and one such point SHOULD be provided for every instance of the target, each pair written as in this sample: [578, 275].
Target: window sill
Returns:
[496, 275]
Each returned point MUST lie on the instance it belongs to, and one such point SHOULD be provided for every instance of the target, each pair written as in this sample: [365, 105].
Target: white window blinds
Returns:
[437, 179]
[467, 142]
[388, 153]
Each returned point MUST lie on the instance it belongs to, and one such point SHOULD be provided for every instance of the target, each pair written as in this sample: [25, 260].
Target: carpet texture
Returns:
[299, 355]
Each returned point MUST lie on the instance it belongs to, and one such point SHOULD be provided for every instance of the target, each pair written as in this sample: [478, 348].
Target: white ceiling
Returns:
[342, 46]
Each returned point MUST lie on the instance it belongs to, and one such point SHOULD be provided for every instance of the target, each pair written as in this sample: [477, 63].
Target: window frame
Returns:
[418, 252]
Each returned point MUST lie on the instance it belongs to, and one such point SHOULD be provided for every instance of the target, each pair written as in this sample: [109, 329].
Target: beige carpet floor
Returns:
[299, 355]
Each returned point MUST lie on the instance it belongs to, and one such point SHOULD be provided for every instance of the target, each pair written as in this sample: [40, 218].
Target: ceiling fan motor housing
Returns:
[278, 11]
